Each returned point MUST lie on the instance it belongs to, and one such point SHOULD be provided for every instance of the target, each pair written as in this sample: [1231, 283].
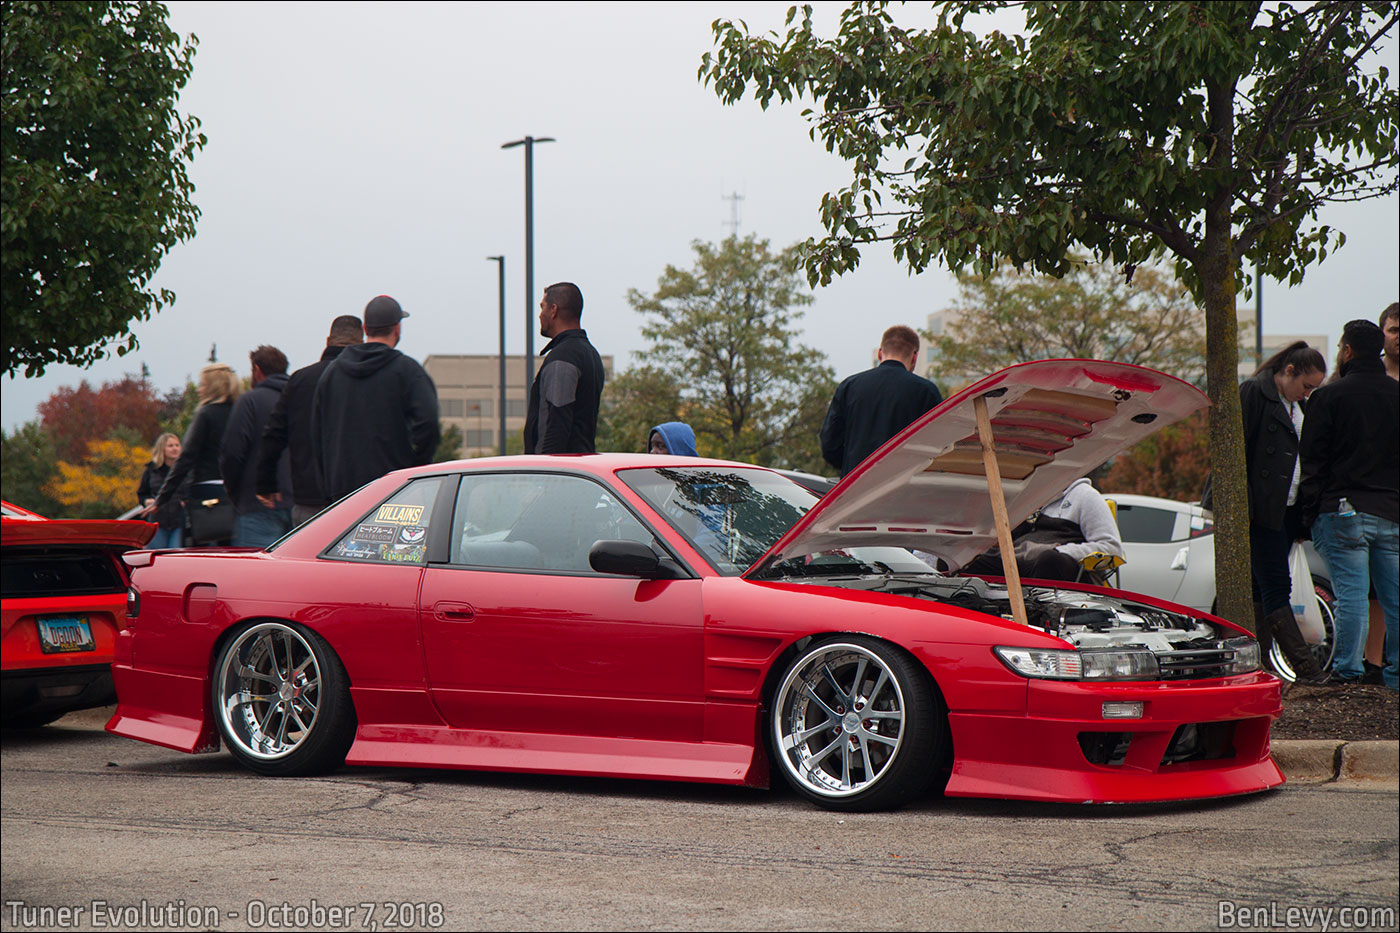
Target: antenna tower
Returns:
[733, 222]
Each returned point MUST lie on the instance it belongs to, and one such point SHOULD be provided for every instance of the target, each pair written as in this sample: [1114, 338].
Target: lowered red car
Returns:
[64, 600]
[673, 618]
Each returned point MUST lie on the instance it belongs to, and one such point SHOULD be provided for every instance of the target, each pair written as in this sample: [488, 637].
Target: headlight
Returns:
[1246, 655]
[1119, 664]
[1092, 664]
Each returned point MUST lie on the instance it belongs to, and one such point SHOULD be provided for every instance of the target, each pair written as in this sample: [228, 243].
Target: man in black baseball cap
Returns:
[375, 410]
[383, 311]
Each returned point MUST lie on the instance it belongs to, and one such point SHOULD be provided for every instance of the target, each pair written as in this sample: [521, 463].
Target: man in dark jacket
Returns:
[1350, 495]
[562, 415]
[871, 407]
[374, 409]
[289, 429]
[256, 525]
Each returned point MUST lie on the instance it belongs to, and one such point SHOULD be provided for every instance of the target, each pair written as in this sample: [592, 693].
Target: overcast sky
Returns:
[354, 150]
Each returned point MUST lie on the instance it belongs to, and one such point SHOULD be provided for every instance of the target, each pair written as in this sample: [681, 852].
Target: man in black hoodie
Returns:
[289, 429]
[1350, 494]
[256, 524]
[374, 409]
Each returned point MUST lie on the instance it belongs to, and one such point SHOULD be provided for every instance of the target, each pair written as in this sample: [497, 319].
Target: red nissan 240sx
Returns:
[675, 618]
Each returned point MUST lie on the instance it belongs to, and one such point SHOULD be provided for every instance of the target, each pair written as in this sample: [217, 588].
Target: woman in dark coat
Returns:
[195, 476]
[1271, 404]
[171, 519]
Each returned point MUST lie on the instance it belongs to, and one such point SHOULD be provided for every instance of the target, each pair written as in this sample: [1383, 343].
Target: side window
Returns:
[536, 521]
[396, 532]
[1144, 524]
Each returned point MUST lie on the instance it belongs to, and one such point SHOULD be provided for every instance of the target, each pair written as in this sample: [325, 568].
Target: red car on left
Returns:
[63, 600]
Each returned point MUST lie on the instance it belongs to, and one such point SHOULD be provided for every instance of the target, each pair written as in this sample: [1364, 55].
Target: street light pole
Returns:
[501, 268]
[529, 143]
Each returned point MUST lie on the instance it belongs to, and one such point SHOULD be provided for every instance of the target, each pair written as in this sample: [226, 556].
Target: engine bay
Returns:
[1085, 620]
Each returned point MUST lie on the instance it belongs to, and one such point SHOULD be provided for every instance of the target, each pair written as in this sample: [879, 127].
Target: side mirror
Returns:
[629, 559]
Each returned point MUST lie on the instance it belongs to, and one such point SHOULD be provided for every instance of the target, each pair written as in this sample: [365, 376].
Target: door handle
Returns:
[454, 612]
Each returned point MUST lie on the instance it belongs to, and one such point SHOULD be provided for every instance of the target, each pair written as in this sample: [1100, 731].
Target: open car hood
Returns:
[1053, 421]
[23, 532]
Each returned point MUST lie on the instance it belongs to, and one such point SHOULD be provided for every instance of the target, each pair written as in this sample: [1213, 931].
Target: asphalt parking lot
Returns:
[107, 828]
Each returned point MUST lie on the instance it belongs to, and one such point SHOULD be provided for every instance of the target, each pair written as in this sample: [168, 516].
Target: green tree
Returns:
[177, 408]
[94, 190]
[1206, 133]
[449, 444]
[1011, 316]
[27, 462]
[725, 330]
[634, 402]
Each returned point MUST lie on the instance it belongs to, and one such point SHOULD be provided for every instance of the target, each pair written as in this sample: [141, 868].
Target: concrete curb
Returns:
[1324, 761]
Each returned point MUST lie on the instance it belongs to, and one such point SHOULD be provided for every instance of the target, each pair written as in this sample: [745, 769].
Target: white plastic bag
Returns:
[1304, 598]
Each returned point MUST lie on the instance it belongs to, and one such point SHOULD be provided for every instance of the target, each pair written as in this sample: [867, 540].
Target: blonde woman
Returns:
[171, 519]
[195, 476]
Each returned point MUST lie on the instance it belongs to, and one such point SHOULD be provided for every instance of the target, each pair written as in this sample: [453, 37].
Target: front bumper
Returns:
[1195, 739]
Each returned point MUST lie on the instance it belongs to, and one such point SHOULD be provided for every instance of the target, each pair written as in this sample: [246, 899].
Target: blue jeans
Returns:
[165, 537]
[261, 528]
[1362, 550]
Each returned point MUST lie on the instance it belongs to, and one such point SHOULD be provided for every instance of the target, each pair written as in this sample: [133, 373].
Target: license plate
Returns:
[62, 634]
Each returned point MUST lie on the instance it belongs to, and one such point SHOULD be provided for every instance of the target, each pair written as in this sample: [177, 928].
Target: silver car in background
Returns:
[1169, 552]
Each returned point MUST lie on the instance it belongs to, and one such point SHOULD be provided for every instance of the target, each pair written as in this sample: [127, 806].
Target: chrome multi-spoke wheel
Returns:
[1323, 652]
[855, 725]
[282, 701]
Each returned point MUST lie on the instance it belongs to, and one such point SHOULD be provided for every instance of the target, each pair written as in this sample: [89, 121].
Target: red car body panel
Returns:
[592, 674]
[39, 684]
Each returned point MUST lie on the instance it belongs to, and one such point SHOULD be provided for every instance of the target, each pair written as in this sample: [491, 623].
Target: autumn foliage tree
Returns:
[103, 484]
[69, 445]
[1173, 463]
[76, 417]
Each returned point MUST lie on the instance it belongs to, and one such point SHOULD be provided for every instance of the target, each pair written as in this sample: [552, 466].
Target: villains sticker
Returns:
[400, 514]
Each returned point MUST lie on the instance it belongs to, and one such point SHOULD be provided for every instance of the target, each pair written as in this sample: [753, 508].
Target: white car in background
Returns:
[1169, 552]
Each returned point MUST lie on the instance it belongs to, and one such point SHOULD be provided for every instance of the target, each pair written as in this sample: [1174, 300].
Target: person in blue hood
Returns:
[673, 437]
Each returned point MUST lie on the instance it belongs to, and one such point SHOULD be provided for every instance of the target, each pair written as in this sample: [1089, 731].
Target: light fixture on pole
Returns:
[529, 143]
[501, 264]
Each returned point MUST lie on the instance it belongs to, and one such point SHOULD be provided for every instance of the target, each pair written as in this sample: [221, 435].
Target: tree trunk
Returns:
[1219, 270]
[1232, 574]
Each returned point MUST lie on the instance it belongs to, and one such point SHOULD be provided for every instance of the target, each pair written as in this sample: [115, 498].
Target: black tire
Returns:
[282, 701]
[857, 724]
[1323, 652]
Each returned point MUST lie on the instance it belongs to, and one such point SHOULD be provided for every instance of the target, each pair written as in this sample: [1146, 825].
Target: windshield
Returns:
[731, 516]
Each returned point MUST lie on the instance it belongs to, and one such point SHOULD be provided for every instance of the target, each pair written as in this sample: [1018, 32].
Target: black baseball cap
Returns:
[383, 311]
